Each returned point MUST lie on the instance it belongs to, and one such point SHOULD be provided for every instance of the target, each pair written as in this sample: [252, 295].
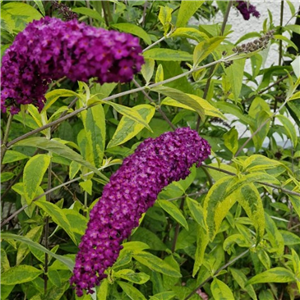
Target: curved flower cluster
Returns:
[50, 49]
[247, 9]
[130, 192]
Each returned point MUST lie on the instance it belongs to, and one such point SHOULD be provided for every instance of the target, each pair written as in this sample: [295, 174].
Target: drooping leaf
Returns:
[131, 276]
[289, 128]
[131, 291]
[174, 212]
[133, 29]
[156, 264]
[12, 156]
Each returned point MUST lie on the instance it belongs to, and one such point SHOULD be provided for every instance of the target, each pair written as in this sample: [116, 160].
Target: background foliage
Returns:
[228, 231]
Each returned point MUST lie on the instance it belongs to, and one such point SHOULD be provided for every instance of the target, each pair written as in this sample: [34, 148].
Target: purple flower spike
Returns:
[247, 9]
[129, 193]
[50, 49]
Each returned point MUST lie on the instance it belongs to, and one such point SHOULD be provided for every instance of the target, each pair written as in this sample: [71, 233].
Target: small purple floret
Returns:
[129, 193]
[247, 9]
[49, 49]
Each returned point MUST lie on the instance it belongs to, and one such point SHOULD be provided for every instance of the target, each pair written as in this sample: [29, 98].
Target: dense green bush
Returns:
[230, 230]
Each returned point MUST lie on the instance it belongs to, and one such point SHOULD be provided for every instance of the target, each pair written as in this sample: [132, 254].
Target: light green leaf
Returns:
[296, 68]
[289, 128]
[133, 29]
[190, 33]
[202, 242]
[159, 75]
[296, 203]
[231, 140]
[235, 74]
[249, 198]
[74, 169]
[128, 128]
[163, 296]
[94, 125]
[34, 171]
[130, 275]
[5, 176]
[216, 175]
[165, 17]
[58, 216]
[135, 246]
[167, 54]
[103, 290]
[220, 290]
[12, 156]
[174, 212]
[20, 274]
[196, 210]
[295, 96]
[257, 162]
[156, 264]
[57, 148]
[278, 275]
[131, 291]
[88, 12]
[52, 96]
[285, 39]
[204, 48]
[148, 69]
[39, 4]
[217, 204]
[186, 11]
[130, 113]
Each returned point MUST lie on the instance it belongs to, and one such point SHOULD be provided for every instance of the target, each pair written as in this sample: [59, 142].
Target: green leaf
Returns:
[156, 264]
[88, 12]
[285, 39]
[130, 113]
[217, 204]
[133, 29]
[202, 242]
[131, 291]
[231, 140]
[241, 279]
[182, 98]
[249, 198]
[20, 274]
[235, 74]
[186, 11]
[34, 172]
[204, 48]
[128, 128]
[296, 68]
[220, 290]
[87, 186]
[296, 203]
[130, 275]
[196, 210]
[174, 212]
[58, 216]
[73, 169]
[290, 238]
[159, 75]
[190, 33]
[148, 69]
[52, 96]
[296, 266]
[167, 54]
[39, 4]
[12, 156]
[103, 290]
[165, 17]
[278, 275]
[295, 96]
[289, 128]
[5, 176]
[257, 162]
[163, 296]
[57, 148]
[94, 125]
[16, 15]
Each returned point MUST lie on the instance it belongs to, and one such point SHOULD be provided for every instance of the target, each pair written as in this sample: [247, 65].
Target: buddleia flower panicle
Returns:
[246, 9]
[129, 193]
[49, 49]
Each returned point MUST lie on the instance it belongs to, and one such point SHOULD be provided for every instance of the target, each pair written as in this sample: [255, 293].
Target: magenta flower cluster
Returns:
[130, 192]
[247, 9]
[50, 49]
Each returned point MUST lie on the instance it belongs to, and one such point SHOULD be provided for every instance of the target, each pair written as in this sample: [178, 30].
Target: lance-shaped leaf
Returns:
[289, 128]
[34, 172]
[131, 291]
[167, 54]
[128, 128]
[186, 11]
[130, 275]
[220, 290]
[279, 275]
[54, 95]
